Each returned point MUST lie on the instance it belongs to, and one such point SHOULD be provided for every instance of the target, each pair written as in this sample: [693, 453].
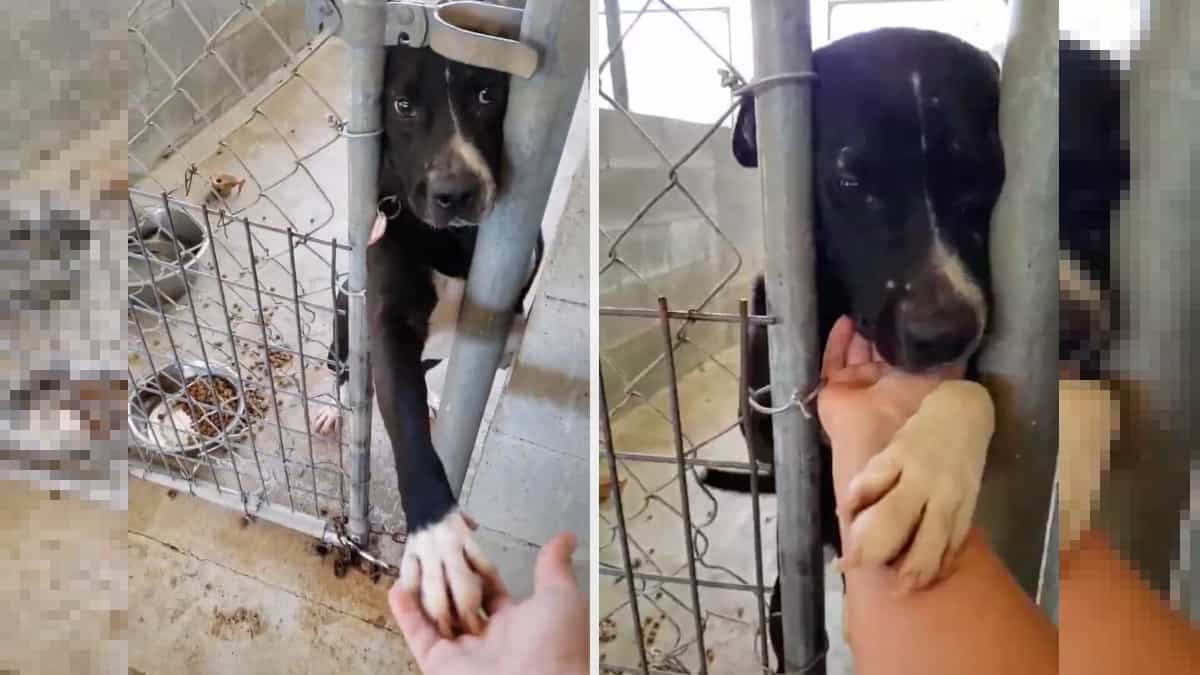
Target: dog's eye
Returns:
[485, 97]
[403, 107]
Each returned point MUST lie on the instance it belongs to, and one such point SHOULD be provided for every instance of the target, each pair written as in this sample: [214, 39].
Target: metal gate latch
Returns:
[470, 32]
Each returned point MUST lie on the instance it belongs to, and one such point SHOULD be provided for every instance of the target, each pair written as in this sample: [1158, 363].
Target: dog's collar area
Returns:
[465, 31]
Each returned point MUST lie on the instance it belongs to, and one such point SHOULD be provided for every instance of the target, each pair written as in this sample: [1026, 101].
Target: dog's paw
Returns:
[446, 564]
[1088, 421]
[923, 487]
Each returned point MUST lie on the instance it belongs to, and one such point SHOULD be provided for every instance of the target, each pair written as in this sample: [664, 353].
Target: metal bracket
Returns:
[475, 33]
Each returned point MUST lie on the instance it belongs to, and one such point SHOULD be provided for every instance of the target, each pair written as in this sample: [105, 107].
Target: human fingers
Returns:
[553, 566]
[837, 346]
[418, 631]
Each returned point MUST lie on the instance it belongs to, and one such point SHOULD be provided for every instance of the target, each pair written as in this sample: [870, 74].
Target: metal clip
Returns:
[475, 33]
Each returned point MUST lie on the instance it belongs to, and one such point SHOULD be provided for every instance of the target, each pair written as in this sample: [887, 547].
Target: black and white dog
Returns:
[908, 166]
[440, 173]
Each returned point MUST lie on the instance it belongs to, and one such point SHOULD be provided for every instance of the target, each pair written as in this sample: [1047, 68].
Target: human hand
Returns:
[923, 485]
[546, 634]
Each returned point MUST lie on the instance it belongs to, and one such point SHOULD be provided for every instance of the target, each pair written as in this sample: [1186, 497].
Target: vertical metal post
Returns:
[616, 63]
[363, 33]
[1020, 364]
[783, 44]
[1156, 247]
[535, 129]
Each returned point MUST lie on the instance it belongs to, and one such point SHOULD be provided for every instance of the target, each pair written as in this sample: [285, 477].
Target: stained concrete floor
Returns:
[724, 543]
[211, 594]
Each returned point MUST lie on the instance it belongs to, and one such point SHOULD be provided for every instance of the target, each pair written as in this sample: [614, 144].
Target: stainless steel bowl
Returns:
[154, 257]
[158, 395]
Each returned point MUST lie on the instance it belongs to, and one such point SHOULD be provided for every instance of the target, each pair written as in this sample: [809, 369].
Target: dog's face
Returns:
[443, 136]
[907, 169]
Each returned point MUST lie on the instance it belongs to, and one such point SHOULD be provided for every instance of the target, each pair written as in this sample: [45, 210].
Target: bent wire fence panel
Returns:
[683, 568]
[236, 211]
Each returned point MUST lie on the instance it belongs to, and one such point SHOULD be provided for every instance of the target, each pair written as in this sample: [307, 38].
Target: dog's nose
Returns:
[453, 192]
[941, 337]
[937, 326]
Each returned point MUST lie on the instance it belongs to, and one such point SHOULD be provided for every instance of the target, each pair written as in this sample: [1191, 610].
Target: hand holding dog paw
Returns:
[922, 488]
[543, 635]
[453, 577]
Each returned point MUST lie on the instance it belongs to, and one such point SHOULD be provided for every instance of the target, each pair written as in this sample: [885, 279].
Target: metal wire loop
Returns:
[804, 403]
[757, 85]
[357, 134]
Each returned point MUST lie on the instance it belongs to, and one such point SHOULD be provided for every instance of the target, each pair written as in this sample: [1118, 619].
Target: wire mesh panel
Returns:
[235, 220]
[682, 567]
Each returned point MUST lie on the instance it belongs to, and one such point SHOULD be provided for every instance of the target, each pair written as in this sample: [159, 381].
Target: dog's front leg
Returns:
[926, 481]
[440, 558]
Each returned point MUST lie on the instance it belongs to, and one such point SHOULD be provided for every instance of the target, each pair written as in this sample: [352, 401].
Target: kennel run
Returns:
[685, 573]
[237, 246]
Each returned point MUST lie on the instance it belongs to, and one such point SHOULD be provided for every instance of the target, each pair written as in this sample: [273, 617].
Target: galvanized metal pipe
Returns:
[363, 33]
[535, 130]
[1020, 363]
[783, 44]
[616, 62]
[1147, 490]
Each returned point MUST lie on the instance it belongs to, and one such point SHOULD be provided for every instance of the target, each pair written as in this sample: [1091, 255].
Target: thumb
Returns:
[553, 566]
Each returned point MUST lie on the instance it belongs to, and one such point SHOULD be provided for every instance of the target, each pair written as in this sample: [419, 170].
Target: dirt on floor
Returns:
[210, 592]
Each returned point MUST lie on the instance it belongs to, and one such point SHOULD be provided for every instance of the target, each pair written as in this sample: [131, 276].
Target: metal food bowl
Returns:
[154, 257]
[161, 396]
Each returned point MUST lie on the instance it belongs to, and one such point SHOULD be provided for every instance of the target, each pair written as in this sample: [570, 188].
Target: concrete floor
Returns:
[725, 543]
[218, 596]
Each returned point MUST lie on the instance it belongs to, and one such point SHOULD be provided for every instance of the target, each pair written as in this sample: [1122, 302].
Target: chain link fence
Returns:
[682, 569]
[238, 164]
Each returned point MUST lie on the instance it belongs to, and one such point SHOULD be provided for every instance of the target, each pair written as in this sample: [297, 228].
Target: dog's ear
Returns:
[745, 134]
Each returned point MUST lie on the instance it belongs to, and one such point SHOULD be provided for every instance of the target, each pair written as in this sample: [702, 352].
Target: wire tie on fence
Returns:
[805, 403]
[340, 126]
[761, 83]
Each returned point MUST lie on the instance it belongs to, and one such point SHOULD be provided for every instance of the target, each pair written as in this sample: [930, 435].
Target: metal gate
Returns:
[234, 260]
[695, 604]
